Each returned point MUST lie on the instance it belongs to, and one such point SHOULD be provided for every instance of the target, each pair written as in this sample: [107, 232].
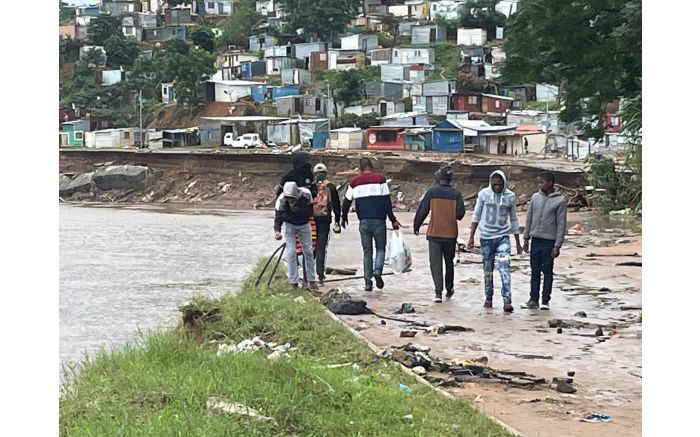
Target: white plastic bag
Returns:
[399, 254]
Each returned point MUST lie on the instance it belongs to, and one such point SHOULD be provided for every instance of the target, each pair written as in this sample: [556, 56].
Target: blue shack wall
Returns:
[284, 91]
[319, 139]
[258, 93]
[448, 140]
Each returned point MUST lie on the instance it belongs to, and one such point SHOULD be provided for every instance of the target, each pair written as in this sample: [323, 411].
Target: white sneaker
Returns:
[544, 306]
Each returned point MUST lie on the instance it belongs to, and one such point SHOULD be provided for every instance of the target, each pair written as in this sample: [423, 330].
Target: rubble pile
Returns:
[450, 373]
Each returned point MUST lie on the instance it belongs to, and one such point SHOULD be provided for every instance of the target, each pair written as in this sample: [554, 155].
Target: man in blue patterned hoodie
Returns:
[496, 216]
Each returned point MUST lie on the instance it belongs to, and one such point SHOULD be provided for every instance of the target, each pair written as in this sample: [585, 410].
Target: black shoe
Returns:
[531, 304]
[368, 288]
[545, 305]
[438, 298]
[378, 279]
[294, 285]
[450, 293]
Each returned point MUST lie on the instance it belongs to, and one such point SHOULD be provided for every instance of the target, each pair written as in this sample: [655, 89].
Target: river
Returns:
[125, 271]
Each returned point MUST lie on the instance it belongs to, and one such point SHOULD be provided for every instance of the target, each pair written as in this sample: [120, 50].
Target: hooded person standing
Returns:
[445, 206]
[293, 208]
[326, 201]
[495, 215]
[300, 173]
[546, 224]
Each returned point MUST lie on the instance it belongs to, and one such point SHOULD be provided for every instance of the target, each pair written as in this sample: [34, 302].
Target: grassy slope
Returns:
[161, 387]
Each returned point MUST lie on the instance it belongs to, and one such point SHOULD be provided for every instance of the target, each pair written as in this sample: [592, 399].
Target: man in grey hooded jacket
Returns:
[496, 216]
[546, 224]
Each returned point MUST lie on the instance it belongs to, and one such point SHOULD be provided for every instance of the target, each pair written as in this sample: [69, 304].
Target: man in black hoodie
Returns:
[300, 173]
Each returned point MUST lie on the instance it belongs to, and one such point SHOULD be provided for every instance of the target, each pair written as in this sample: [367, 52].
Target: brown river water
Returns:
[125, 271]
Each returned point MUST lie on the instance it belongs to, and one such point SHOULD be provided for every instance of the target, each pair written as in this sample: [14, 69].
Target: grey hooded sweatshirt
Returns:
[546, 217]
[496, 213]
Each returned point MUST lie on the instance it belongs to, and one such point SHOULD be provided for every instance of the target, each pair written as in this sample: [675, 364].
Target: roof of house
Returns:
[236, 82]
[529, 128]
[347, 129]
[245, 118]
[497, 97]
[403, 115]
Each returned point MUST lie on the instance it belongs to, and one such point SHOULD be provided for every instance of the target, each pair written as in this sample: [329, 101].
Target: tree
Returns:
[237, 28]
[94, 57]
[121, 51]
[467, 83]
[82, 88]
[102, 27]
[203, 37]
[482, 14]
[66, 13]
[591, 50]
[322, 18]
[194, 69]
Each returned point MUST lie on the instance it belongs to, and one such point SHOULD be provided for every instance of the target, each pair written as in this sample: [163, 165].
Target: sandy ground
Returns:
[608, 374]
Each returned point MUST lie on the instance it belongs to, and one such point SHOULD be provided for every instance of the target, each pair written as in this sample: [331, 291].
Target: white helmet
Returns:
[320, 167]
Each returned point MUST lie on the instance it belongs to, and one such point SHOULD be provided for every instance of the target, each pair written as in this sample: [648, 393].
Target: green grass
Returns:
[161, 385]
[540, 106]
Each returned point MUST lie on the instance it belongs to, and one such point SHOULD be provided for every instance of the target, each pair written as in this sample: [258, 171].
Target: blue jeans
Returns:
[373, 229]
[541, 262]
[492, 250]
[303, 232]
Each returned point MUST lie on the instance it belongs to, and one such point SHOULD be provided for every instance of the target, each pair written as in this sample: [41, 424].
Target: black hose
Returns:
[257, 281]
[269, 281]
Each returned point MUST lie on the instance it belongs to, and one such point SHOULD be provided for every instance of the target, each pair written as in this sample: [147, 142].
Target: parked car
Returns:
[244, 141]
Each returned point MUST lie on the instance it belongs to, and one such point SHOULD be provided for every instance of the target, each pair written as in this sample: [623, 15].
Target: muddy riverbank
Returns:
[246, 180]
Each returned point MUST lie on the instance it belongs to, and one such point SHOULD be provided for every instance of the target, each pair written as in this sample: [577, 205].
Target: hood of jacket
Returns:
[300, 160]
[505, 191]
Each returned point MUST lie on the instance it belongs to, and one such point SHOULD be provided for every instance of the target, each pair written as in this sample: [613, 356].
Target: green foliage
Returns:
[102, 27]
[345, 84]
[621, 189]
[68, 50]
[189, 71]
[82, 88]
[203, 37]
[484, 16]
[66, 13]
[121, 51]
[632, 128]
[352, 120]
[160, 384]
[94, 57]
[592, 50]
[237, 28]
[324, 19]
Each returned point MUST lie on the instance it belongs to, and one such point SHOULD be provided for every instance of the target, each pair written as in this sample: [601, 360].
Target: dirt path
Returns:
[608, 374]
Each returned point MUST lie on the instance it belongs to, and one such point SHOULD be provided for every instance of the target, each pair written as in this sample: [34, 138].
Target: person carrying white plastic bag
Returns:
[399, 254]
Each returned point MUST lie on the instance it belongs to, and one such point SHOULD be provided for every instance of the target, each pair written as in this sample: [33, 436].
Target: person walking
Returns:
[293, 209]
[326, 201]
[495, 215]
[372, 199]
[546, 225]
[445, 206]
[300, 173]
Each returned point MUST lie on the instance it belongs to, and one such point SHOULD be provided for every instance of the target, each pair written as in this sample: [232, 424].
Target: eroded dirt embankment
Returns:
[246, 180]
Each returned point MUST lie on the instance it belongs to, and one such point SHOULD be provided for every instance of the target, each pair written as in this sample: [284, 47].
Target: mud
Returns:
[247, 179]
[607, 368]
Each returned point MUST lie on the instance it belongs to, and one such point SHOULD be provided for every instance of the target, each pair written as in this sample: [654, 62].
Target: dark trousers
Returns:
[541, 262]
[373, 230]
[437, 251]
[323, 229]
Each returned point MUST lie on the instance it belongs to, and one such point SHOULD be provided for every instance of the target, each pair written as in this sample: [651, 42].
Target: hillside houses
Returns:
[279, 75]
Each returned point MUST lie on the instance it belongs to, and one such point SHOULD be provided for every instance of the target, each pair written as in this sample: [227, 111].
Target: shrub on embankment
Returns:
[161, 386]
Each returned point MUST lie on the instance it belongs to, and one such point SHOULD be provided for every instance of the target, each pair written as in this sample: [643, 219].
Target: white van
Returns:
[242, 142]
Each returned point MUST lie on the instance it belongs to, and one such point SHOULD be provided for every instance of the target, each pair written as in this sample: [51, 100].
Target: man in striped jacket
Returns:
[445, 206]
[372, 199]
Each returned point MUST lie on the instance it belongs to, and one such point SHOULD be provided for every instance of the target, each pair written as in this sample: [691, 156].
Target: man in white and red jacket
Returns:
[372, 199]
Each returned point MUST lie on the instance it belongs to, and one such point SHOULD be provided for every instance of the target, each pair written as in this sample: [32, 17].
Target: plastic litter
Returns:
[404, 388]
[597, 418]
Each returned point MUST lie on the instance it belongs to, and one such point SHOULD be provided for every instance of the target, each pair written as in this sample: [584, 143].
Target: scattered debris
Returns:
[340, 271]
[413, 347]
[256, 344]
[436, 330]
[599, 332]
[348, 306]
[223, 406]
[408, 334]
[630, 264]
[571, 373]
[419, 370]
[559, 330]
[408, 417]
[565, 387]
[581, 314]
[596, 418]
[406, 308]
[631, 307]
[404, 388]
[382, 322]
[299, 299]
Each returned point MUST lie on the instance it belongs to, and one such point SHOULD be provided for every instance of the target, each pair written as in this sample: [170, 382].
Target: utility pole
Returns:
[141, 118]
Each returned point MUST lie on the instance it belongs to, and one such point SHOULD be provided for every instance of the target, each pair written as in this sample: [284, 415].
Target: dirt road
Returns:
[608, 369]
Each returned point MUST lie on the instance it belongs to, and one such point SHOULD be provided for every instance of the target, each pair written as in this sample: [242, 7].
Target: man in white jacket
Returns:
[495, 215]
